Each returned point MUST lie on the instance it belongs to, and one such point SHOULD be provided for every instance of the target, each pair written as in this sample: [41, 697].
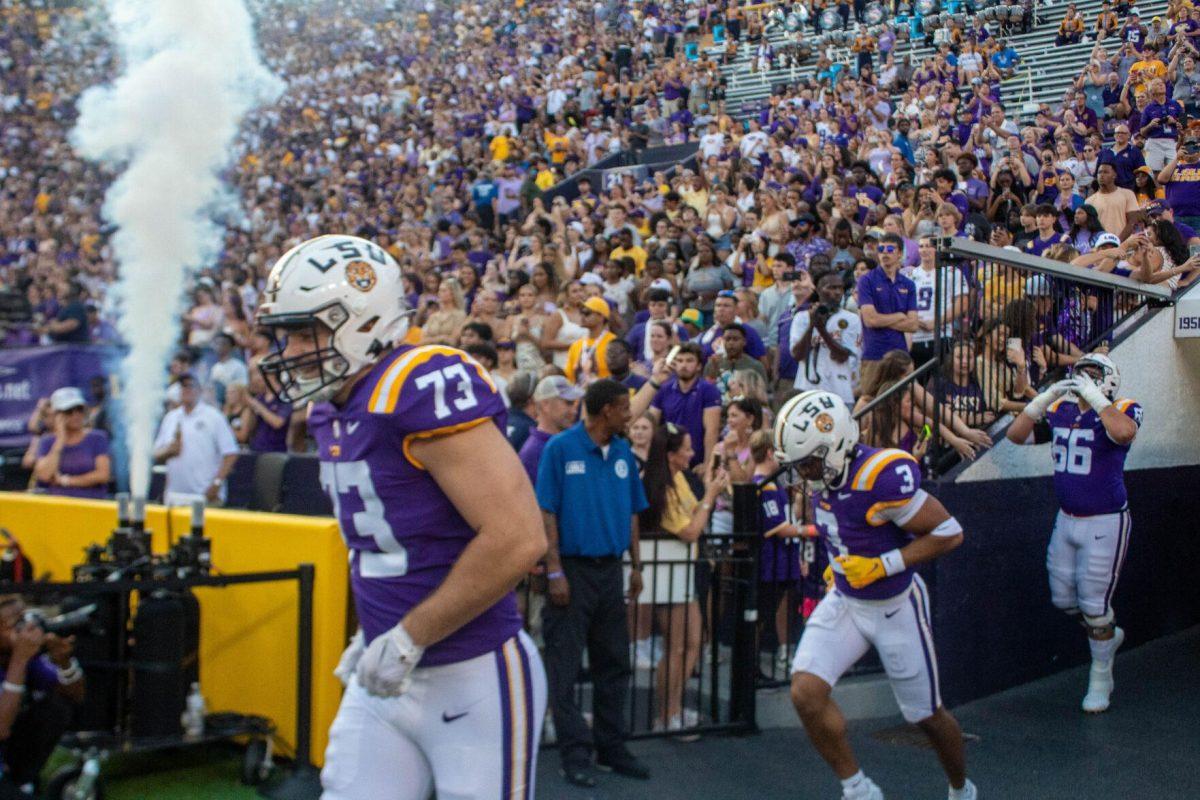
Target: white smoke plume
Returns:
[191, 71]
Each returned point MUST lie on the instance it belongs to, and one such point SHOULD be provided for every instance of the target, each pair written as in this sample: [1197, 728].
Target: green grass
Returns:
[202, 773]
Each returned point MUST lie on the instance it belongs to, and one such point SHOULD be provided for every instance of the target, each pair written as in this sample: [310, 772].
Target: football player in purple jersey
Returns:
[877, 525]
[444, 691]
[1091, 433]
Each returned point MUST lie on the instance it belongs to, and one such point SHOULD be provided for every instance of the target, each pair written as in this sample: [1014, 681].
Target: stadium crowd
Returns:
[795, 251]
[378, 137]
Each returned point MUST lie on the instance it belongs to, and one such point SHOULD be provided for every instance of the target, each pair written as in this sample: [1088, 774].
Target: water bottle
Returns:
[193, 717]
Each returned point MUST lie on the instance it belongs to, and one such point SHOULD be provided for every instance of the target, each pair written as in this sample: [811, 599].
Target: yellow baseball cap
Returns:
[597, 305]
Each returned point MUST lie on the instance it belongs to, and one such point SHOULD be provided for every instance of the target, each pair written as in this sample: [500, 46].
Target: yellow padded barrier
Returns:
[248, 632]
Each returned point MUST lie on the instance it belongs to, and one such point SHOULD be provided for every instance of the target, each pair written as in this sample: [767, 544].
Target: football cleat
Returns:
[867, 790]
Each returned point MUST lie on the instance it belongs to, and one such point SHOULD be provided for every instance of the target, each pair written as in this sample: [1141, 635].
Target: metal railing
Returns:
[1004, 323]
[691, 636]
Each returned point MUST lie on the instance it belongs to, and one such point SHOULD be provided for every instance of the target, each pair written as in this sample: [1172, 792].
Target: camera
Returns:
[1191, 147]
[61, 624]
[793, 275]
[826, 310]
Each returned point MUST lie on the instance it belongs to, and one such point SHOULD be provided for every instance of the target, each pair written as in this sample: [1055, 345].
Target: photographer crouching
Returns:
[41, 684]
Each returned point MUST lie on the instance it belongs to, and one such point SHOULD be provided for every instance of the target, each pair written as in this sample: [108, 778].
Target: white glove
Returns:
[385, 668]
[1090, 393]
[1035, 409]
[349, 659]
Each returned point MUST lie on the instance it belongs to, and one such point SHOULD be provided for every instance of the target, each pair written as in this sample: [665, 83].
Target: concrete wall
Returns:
[1161, 373]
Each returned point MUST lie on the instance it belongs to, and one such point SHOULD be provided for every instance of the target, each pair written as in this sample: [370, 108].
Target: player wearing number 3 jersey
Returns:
[877, 524]
[1091, 432]
[444, 692]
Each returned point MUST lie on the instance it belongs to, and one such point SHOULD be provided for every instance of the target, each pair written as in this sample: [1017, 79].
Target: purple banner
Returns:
[28, 374]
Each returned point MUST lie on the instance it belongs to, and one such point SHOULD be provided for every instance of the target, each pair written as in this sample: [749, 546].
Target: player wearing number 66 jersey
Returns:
[444, 692]
[877, 524]
[1091, 432]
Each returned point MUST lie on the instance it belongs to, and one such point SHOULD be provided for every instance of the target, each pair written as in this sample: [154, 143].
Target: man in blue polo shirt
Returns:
[590, 493]
[887, 303]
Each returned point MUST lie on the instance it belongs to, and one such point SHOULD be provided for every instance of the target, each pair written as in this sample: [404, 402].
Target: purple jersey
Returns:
[404, 534]
[854, 520]
[779, 559]
[1089, 467]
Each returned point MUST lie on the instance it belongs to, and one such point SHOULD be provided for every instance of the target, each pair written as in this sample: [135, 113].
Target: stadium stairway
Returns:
[1046, 70]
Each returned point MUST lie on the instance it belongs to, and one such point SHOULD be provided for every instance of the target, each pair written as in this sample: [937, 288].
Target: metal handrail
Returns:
[971, 249]
[928, 366]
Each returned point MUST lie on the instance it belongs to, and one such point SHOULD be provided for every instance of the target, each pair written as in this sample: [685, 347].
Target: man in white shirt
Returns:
[198, 446]
[754, 143]
[712, 142]
[953, 306]
[826, 341]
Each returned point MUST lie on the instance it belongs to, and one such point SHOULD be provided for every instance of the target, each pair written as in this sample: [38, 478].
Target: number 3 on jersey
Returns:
[439, 379]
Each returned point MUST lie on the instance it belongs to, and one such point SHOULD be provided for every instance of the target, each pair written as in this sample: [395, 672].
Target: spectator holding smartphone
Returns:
[671, 526]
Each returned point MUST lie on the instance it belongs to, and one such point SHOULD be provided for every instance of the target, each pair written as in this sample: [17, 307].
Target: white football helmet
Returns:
[815, 436]
[344, 284]
[1109, 381]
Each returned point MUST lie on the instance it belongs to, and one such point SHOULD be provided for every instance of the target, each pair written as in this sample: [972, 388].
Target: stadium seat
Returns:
[239, 488]
[268, 480]
[300, 490]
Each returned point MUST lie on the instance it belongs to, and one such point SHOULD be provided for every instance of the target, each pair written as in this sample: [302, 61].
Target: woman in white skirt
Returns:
[670, 529]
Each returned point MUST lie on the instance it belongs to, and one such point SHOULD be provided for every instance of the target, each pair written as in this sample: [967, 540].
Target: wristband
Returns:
[15, 688]
[893, 562]
[71, 674]
[554, 575]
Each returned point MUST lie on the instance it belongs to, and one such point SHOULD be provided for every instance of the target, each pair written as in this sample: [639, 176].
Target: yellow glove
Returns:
[861, 572]
[827, 575]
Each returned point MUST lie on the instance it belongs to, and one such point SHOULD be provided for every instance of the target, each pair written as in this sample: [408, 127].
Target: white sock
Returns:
[855, 783]
[1103, 651]
[963, 793]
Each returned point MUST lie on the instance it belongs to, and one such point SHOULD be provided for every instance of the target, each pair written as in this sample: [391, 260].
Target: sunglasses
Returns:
[887, 248]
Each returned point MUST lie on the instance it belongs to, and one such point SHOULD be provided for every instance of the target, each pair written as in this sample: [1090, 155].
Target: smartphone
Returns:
[793, 275]
[926, 432]
[674, 351]
[1014, 343]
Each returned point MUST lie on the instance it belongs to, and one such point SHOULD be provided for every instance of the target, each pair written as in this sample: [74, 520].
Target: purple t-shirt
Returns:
[267, 439]
[531, 452]
[403, 532]
[849, 519]
[686, 409]
[77, 459]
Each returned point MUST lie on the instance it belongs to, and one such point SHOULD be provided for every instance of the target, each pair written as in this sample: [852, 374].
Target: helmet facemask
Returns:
[316, 375]
[1102, 373]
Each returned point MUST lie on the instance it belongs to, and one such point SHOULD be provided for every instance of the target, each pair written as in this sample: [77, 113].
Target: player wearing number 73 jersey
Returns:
[877, 524]
[444, 692]
[1091, 432]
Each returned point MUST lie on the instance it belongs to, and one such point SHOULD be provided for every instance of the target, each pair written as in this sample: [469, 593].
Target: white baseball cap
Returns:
[66, 398]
